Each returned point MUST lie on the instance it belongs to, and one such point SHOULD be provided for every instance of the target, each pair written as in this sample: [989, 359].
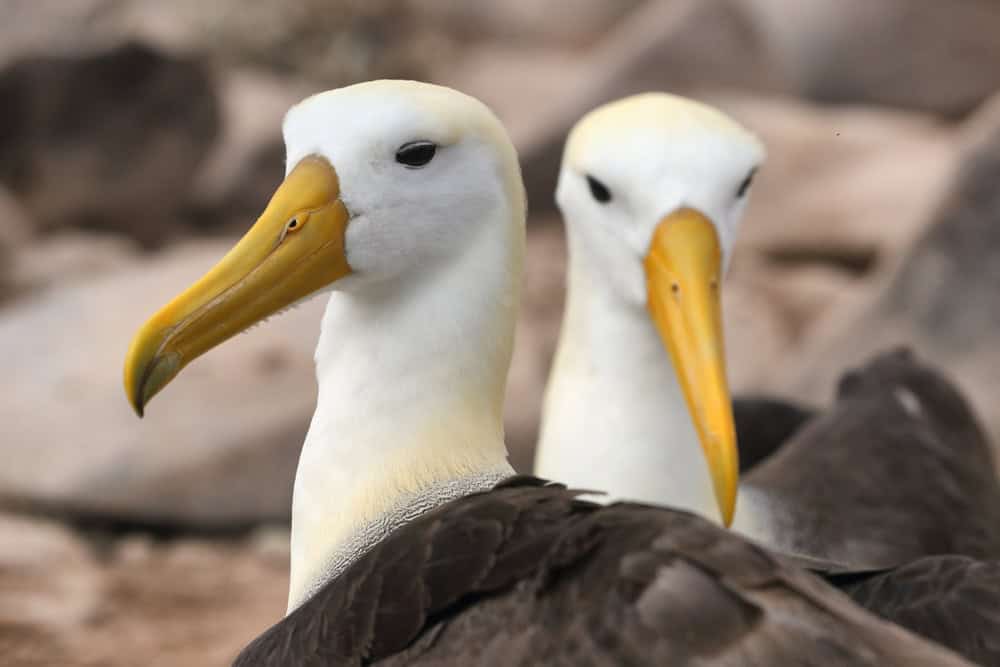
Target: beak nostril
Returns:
[675, 288]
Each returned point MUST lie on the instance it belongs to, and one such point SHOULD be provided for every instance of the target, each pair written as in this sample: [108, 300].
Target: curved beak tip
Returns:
[270, 268]
[134, 392]
[728, 509]
[145, 375]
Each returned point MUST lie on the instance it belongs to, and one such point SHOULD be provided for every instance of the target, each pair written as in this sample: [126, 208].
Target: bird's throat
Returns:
[397, 433]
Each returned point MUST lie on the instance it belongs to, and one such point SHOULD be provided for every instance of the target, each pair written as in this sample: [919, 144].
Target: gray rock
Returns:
[843, 188]
[66, 258]
[248, 160]
[108, 140]
[219, 446]
[941, 57]
[561, 23]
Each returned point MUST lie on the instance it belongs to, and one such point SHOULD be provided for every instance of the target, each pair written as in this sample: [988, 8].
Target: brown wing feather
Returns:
[952, 600]
[528, 574]
[878, 480]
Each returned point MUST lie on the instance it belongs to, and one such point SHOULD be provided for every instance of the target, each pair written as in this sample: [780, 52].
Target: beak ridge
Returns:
[294, 249]
[683, 271]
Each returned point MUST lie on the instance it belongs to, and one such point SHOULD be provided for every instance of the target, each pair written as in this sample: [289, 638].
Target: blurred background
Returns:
[139, 138]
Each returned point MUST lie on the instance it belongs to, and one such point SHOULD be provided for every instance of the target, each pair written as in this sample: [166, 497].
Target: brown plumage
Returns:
[897, 476]
[527, 574]
[952, 600]
[897, 469]
[763, 424]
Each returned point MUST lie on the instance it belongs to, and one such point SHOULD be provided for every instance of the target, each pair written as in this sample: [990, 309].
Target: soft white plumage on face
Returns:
[416, 342]
[615, 416]
[404, 216]
[654, 154]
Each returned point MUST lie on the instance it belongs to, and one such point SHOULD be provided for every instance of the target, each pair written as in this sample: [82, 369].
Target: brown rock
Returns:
[15, 230]
[219, 447]
[182, 602]
[109, 140]
[49, 586]
[190, 602]
[15, 226]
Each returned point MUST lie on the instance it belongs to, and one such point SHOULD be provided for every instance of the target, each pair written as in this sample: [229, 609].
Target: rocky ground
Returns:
[137, 139]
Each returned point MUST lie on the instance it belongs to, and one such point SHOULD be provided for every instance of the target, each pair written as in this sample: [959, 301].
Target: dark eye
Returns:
[599, 191]
[745, 185]
[416, 153]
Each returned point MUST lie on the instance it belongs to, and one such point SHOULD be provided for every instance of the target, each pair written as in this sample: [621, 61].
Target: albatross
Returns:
[413, 541]
[653, 189]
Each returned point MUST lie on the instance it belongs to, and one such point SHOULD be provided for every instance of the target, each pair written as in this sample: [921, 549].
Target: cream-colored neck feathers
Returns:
[615, 419]
[411, 374]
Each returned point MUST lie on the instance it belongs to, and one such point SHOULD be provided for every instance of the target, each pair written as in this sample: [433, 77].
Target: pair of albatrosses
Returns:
[413, 542]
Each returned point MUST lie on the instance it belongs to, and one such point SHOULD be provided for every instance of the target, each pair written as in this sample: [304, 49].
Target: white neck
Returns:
[409, 412]
[615, 418]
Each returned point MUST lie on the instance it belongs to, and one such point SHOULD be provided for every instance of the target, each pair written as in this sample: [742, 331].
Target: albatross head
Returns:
[384, 180]
[653, 188]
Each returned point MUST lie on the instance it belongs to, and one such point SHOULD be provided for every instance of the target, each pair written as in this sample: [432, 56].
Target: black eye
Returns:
[416, 153]
[745, 185]
[598, 190]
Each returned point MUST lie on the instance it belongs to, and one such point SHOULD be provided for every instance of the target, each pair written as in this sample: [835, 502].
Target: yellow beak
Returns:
[294, 249]
[683, 271]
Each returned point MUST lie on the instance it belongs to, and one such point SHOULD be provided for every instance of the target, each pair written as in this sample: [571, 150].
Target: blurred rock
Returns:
[806, 294]
[15, 226]
[272, 543]
[756, 330]
[49, 585]
[219, 446]
[33, 27]
[68, 257]
[557, 23]
[109, 140]
[48, 573]
[15, 230]
[192, 602]
[248, 161]
[815, 201]
[942, 300]
[182, 602]
[536, 336]
[332, 42]
[679, 46]
[941, 57]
